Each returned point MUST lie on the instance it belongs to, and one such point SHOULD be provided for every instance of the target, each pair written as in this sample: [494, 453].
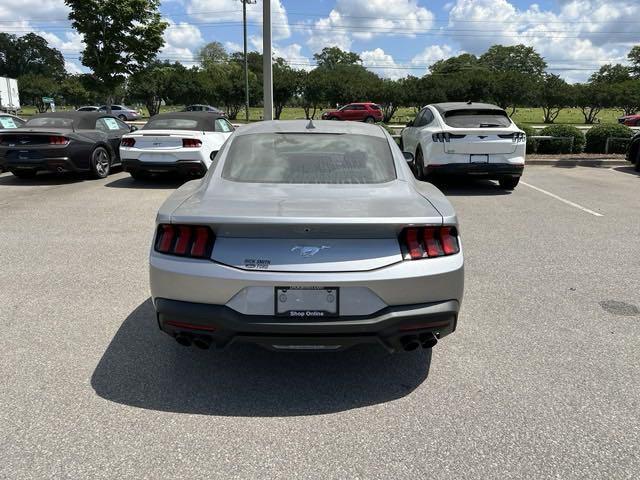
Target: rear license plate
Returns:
[23, 155]
[306, 302]
[479, 158]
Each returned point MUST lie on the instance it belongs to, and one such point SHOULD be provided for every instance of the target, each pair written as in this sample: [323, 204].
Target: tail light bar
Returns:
[429, 242]
[445, 136]
[58, 140]
[191, 143]
[194, 241]
[128, 142]
[517, 137]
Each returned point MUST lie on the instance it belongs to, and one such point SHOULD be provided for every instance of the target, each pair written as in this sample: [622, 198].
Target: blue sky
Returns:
[394, 37]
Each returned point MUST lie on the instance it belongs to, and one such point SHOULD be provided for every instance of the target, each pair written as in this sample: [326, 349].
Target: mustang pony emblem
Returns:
[308, 251]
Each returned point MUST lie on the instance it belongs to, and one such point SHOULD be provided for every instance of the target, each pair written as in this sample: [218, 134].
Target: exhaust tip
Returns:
[409, 343]
[60, 169]
[183, 340]
[202, 342]
[428, 340]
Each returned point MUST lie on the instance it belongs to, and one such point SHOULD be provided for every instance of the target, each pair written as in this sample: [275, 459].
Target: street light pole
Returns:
[267, 76]
[246, 61]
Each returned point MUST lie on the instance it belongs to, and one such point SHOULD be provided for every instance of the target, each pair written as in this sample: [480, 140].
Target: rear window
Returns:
[309, 158]
[171, 124]
[223, 125]
[484, 118]
[56, 122]
[374, 107]
[10, 122]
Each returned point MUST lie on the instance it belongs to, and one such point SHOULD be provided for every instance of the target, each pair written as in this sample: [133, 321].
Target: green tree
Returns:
[33, 87]
[553, 94]
[286, 84]
[514, 59]
[512, 89]
[634, 59]
[313, 93]
[121, 37]
[591, 98]
[626, 95]
[611, 74]
[74, 93]
[151, 85]
[466, 61]
[333, 56]
[212, 53]
[29, 54]
[390, 95]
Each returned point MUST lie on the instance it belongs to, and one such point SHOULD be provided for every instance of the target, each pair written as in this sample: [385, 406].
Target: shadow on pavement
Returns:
[155, 182]
[468, 187]
[145, 368]
[44, 178]
[629, 170]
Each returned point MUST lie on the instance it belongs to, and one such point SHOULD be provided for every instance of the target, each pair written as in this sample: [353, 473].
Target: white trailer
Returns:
[9, 95]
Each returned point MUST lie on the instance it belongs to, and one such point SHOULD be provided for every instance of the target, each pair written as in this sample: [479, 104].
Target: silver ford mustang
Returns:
[308, 236]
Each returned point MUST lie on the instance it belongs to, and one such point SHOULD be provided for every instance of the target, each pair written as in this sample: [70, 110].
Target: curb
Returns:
[579, 163]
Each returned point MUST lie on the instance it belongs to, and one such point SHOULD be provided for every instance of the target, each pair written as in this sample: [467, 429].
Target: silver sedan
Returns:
[308, 236]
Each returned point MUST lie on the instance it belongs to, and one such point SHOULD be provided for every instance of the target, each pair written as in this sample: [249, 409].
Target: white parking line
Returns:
[563, 200]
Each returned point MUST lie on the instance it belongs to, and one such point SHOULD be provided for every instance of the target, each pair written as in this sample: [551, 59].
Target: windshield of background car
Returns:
[477, 118]
[171, 124]
[309, 158]
[10, 122]
[57, 122]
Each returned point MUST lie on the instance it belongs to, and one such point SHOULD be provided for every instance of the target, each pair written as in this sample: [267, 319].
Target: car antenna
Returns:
[469, 102]
[310, 125]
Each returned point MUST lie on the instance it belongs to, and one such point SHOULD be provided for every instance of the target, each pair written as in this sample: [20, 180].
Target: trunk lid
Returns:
[306, 228]
[162, 139]
[28, 138]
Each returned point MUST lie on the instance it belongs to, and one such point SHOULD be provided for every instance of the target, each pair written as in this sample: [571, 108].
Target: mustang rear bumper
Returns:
[184, 167]
[52, 164]
[222, 326]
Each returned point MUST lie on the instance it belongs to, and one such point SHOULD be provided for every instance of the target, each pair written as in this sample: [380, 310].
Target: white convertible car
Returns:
[476, 139]
[182, 142]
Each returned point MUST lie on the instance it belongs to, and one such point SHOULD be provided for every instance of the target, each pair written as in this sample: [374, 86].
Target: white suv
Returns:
[476, 139]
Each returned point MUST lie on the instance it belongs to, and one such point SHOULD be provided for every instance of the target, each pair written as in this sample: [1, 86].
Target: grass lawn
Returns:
[530, 116]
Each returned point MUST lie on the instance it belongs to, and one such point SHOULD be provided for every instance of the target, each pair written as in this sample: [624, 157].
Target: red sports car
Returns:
[630, 120]
[357, 112]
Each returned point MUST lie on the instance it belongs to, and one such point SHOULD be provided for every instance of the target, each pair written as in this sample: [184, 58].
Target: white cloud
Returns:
[382, 63]
[73, 67]
[431, 55]
[582, 35]
[215, 11]
[366, 19]
[181, 40]
[233, 47]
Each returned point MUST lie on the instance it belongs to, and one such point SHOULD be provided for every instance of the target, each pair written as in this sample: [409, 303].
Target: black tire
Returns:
[369, 120]
[139, 175]
[333, 118]
[24, 173]
[100, 163]
[637, 161]
[419, 164]
[122, 117]
[509, 183]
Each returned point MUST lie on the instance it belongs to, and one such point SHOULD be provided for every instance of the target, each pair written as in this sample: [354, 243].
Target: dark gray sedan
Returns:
[84, 142]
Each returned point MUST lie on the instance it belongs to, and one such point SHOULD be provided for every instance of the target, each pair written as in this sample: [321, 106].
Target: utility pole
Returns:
[246, 61]
[267, 79]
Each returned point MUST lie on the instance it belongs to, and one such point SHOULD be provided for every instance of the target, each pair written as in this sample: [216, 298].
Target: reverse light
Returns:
[128, 142]
[58, 140]
[429, 242]
[194, 241]
[191, 143]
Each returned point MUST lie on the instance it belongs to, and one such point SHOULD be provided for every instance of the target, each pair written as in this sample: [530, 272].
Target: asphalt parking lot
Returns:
[541, 379]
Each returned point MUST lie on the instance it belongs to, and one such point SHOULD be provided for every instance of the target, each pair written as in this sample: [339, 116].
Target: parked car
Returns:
[183, 142]
[357, 112]
[9, 122]
[476, 139]
[633, 154]
[88, 108]
[630, 120]
[63, 142]
[308, 236]
[122, 112]
[204, 108]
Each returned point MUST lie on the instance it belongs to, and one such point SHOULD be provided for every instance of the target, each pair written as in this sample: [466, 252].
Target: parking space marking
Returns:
[563, 200]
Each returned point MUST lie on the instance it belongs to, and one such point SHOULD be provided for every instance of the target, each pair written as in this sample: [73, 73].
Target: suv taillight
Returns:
[429, 242]
[128, 142]
[195, 241]
[58, 140]
[191, 143]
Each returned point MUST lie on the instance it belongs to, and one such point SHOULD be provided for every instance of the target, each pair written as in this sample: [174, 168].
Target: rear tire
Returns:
[419, 163]
[637, 161]
[100, 163]
[24, 173]
[333, 118]
[369, 120]
[122, 117]
[509, 183]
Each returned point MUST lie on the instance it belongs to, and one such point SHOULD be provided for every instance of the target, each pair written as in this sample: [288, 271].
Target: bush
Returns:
[561, 146]
[532, 145]
[597, 138]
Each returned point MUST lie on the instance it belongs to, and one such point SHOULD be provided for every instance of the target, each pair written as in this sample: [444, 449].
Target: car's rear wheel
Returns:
[509, 183]
[419, 165]
[370, 120]
[24, 173]
[637, 160]
[122, 117]
[100, 163]
[333, 118]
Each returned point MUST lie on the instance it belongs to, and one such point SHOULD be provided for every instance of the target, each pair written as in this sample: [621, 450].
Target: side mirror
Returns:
[410, 123]
[133, 128]
[408, 157]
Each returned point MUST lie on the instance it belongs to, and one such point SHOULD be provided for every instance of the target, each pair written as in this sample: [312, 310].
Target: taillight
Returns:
[446, 136]
[128, 142]
[58, 140]
[193, 241]
[429, 242]
[191, 143]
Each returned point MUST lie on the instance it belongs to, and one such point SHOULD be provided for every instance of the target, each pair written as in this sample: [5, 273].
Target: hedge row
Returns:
[595, 140]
